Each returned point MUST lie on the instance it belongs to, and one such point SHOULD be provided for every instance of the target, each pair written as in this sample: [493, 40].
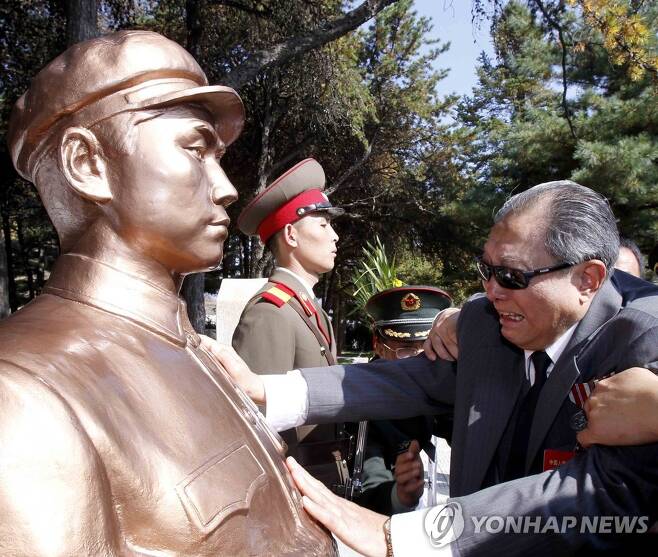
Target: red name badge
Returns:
[553, 458]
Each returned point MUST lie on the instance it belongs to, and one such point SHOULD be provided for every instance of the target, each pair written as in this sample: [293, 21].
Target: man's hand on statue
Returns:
[622, 410]
[442, 340]
[251, 383]
[359, 528]
[408, 474]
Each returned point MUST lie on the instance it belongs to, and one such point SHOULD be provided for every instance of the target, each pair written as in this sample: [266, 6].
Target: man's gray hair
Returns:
[580, 223]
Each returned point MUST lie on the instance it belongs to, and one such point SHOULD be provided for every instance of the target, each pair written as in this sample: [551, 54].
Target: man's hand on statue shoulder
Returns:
[622, 410]
[249, 382]
[442, 339]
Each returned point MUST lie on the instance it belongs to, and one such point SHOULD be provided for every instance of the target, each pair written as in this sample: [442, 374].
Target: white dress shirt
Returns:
[554, 351]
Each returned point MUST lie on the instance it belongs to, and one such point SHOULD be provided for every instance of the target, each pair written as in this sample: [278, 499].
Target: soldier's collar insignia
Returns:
[410, 302]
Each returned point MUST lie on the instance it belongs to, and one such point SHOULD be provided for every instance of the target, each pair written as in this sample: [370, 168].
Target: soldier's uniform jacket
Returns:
[276, 333]
[99, 432]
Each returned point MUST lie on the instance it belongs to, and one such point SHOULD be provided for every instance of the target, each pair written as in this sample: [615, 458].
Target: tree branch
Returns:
[260, 11]
[554, 23]
[341, 179]
[284, 51]
[302, 146]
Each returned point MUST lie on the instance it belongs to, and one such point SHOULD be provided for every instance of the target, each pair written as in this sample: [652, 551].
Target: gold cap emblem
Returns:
[410, 302]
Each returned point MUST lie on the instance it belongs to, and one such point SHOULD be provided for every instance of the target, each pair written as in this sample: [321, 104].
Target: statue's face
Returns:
[170, 193]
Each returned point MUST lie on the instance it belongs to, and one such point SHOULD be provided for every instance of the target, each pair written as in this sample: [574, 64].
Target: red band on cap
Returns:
[287, 213]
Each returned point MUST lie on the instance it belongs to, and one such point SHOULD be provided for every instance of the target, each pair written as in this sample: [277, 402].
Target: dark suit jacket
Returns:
[620, 330]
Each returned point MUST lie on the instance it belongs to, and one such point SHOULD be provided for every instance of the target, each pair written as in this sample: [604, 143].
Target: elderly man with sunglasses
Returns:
[553, 318]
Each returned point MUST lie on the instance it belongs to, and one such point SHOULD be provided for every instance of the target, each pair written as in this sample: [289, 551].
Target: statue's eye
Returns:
[197, 150]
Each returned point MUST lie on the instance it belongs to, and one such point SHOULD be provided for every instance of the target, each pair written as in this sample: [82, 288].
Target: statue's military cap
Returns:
[99, 78]
[292, 196]
[406, 313]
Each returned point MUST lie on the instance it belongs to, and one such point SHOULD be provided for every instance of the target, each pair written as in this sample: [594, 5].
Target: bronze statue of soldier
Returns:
[120, 433]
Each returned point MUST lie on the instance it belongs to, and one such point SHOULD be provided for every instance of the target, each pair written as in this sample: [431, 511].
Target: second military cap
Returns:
[406, 313]
[293, 195]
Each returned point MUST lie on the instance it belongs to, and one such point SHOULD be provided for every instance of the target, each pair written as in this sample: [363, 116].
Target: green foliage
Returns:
[602, 130]
[367, 107]
[374, 273]
[416, 268]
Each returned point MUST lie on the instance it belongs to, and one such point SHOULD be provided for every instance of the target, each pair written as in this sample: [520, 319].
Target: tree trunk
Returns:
[258, 260]
[192, 293]
[24, 256]
[81, 22]
[193, 11]
[11, 280]
[4, 281]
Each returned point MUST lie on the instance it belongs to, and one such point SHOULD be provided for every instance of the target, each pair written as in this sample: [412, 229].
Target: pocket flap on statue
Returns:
[223, 485]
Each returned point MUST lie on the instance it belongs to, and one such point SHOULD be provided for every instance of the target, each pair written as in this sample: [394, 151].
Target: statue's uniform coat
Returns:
[104, 391]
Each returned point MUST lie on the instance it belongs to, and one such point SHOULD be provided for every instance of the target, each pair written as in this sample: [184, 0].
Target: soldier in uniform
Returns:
[121, 434]
[392, 469]
[283, 326]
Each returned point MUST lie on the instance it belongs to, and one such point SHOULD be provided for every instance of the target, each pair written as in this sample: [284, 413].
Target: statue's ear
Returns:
[83, 164]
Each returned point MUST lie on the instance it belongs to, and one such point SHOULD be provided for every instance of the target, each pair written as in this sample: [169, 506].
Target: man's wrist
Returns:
[387, 537]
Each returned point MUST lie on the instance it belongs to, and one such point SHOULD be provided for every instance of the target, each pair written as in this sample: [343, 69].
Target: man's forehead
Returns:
[516, 239]
[314, 218]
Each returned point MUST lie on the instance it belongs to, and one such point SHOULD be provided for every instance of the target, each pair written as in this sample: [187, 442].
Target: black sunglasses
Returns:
[514, 279]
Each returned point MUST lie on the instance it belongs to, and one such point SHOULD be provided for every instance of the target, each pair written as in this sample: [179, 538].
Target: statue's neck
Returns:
[103, 244]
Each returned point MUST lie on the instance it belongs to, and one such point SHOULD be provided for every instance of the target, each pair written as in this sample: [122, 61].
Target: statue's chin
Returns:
[203, 266]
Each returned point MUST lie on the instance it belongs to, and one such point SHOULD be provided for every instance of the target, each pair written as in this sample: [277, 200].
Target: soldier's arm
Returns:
[264, 339]
[442, 339]
[54, 495]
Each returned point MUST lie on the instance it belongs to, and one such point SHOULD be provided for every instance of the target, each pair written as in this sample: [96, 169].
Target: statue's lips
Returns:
[219, 228]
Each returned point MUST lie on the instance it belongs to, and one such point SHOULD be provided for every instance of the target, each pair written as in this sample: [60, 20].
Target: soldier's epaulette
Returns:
[278, 295]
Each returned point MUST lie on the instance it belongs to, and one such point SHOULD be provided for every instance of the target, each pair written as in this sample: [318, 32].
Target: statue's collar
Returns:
[92, 282]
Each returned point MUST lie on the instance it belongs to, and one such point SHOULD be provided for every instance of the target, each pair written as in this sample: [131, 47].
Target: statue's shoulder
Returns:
[33, 409]
[49, 463]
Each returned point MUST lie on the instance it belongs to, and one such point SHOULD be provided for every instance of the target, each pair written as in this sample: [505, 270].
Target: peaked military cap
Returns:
[292, 196]
[406, 313]
[119, 72]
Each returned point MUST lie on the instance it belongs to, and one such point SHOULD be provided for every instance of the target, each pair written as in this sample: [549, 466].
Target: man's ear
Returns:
[290, 235]
[591, 277]
[82, 162]
[377, 347]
